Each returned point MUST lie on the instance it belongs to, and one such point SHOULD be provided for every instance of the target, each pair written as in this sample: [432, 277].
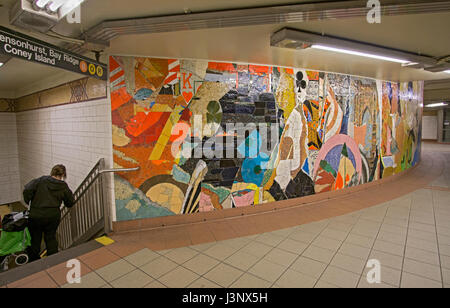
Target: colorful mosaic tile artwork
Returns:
[209, 136]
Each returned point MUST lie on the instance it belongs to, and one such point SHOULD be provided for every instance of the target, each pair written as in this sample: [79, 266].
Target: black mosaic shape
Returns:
[231, 95]
[268, 98]
[245, 109]
[166, 90]
[259, 112]
[276, 192]
[260, 104]
[227, 163]
[216, 171]
[300, 186]
[230, 173]
[227, 184]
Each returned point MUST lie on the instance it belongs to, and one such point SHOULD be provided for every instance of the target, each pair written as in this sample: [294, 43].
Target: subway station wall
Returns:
[76, 135]
[9, 159]
[210, 136]
[68, 124]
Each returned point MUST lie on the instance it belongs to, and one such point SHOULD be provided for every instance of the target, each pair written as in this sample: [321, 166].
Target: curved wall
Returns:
[210, 136]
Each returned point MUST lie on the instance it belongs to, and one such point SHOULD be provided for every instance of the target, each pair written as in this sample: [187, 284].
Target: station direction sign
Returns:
[21, 46]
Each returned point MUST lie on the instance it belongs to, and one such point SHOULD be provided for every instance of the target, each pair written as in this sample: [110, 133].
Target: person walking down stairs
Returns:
[46, 195]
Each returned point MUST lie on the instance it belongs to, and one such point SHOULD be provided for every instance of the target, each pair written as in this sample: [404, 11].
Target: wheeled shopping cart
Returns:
[14, 240]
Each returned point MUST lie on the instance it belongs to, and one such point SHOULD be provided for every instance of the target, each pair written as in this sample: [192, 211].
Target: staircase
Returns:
[90, 216]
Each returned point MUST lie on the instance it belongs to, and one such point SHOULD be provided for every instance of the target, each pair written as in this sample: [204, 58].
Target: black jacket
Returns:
[46, 194]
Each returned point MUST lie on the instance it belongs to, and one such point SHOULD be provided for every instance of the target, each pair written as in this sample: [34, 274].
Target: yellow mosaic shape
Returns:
[166, 133]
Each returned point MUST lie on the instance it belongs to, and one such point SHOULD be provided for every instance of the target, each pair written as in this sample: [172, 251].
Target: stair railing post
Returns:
[104, 195]
[73, 226]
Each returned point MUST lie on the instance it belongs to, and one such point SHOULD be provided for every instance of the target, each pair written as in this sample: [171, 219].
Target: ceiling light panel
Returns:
[299, 39]
[436, 105]
[69, 6]
[360, 54]
[55, 5]
[59, 7]
[42, 3]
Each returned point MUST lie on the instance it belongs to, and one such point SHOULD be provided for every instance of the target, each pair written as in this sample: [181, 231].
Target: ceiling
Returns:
[419, 33]
[251, 44]
[437, 91]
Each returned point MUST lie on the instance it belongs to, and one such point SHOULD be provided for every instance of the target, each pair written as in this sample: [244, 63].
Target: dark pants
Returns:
[47, 226]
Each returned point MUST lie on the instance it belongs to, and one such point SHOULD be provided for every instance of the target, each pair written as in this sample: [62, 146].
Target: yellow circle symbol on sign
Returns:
[92, 69]
[99, 71]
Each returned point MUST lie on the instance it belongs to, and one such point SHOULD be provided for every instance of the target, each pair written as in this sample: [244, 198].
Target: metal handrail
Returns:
[120, 170]
[80, 191]
[89, 216]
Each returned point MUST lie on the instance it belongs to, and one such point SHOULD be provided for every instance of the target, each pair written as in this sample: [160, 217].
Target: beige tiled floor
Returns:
[330, 253]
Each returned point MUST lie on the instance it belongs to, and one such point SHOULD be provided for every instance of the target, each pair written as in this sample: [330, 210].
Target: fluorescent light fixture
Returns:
[55, 5]
[357, 53]
[68, 6]
[436, 105]
[448, 71]
[299, 39]
[414, 64]
[1, 64]
[42, 3]
[60, 7]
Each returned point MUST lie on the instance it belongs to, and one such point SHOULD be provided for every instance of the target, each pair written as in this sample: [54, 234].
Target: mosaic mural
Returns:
[209, 136]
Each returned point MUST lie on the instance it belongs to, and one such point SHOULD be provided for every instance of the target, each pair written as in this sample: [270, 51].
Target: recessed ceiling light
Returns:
[1, 64]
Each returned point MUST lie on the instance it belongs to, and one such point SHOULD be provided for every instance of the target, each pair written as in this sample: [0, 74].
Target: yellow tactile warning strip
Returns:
[105, 241]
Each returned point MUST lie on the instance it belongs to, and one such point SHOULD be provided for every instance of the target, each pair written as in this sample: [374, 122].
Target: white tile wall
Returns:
[429, 127]
[9, 159]
[76, 135]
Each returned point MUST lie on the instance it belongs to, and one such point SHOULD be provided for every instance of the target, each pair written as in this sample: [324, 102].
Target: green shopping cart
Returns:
[14, 240]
